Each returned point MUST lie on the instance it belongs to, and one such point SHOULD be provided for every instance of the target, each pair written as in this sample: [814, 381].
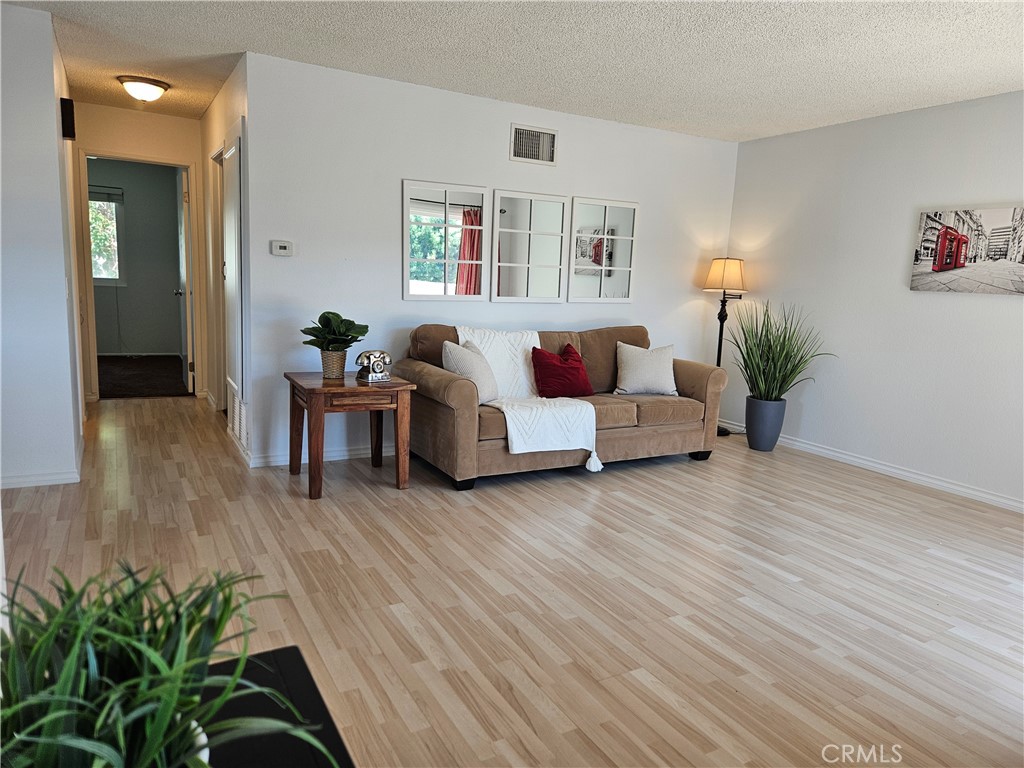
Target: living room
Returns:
[914, 429]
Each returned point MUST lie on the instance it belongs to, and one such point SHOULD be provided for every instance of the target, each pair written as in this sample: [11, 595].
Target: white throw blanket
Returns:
[533, 423]
[510, 355]
[550, 424]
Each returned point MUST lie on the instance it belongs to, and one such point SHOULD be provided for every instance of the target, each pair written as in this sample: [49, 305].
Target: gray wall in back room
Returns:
[145, 307]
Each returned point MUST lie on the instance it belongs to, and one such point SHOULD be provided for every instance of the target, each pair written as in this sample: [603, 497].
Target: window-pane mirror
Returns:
[444, 231]
[603, 250]
[531, 247]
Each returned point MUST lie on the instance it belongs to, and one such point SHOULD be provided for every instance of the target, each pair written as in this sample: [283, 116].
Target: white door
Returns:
[233, 295]
[184, 289]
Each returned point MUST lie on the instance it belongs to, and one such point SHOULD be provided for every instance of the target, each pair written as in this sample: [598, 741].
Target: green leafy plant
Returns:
[774, 349]
[114, 672]
[332, 332]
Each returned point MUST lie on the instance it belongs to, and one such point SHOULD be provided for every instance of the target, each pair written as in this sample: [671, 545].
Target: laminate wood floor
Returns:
[750, 610]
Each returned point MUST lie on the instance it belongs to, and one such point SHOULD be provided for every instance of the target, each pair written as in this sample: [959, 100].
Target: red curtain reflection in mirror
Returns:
[467, 280]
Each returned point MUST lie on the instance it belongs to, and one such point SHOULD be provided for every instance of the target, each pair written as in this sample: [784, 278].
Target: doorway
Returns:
[140, 260]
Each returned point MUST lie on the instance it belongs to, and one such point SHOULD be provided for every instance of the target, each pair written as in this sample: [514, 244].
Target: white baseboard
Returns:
[912, 475]
[245, 453]
[336, 454]
[44, 478]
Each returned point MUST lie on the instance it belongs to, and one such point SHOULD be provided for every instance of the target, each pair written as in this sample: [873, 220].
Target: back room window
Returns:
[106, 227]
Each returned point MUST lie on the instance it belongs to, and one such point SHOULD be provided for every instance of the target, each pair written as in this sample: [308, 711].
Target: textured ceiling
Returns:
[727, 70]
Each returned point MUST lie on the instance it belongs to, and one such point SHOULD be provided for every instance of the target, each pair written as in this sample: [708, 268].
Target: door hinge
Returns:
[191, 367]
[184, 197]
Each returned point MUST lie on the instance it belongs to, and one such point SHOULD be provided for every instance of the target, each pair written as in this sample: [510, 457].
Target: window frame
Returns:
[574, 234]
[530, 232]
[407, 261]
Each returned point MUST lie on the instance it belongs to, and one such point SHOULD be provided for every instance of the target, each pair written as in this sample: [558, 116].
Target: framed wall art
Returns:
[970, 250]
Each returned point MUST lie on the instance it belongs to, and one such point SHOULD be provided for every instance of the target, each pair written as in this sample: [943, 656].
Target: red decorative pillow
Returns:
[560, 375]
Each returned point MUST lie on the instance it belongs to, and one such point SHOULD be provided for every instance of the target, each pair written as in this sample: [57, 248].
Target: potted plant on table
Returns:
[333, 335]
[774, 350]
[114, 673]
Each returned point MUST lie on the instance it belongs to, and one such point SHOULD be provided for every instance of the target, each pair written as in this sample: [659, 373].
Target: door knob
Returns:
[178, 292]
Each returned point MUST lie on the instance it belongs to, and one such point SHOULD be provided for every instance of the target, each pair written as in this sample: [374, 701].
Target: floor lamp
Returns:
[725, 275]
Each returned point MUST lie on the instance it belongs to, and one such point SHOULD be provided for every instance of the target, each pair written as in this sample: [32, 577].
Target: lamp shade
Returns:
[726, 275]
[143, 88]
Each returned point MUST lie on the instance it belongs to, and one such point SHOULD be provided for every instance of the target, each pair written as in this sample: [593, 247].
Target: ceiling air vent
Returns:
[532, 145]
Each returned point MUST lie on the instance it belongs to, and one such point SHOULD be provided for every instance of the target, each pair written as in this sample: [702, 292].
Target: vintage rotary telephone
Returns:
[373, 362]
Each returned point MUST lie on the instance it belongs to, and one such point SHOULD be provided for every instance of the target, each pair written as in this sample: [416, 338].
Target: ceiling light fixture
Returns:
[143, 88]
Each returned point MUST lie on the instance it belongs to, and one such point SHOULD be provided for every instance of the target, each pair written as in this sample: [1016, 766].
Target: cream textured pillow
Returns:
[470, 362]
[644, 371]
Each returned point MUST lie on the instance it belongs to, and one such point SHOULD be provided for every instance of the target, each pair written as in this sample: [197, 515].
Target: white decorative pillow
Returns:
[469, 361]
[645, 371]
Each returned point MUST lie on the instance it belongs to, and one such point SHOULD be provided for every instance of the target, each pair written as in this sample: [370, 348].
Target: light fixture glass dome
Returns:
[143, 88]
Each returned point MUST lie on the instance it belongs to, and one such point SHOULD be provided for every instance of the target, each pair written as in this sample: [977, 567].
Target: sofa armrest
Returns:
[705, 383]
[438, 384]
[698, 380]
[445, 421]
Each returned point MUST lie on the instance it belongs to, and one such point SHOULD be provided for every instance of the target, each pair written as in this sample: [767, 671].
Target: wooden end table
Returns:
[315, 395]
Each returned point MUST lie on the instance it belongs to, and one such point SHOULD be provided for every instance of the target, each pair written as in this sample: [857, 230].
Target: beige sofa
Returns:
[466, 440]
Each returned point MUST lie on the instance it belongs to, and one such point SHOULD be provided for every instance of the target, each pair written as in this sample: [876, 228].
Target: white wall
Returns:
[40, 422]
[225, 110]
[134, 134]
[327, 154]
[141, 317]
[925, 385]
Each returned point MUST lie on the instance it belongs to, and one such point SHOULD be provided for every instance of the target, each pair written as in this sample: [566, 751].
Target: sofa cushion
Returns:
[644, 371]
[555, 341]
[611, 412]
[560, 375]
[652, 410]
[492, 423]
[426, 342]
[598, 350]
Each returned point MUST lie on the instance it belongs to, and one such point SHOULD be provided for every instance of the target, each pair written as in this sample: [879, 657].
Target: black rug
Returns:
[146, 376]
[285, 671]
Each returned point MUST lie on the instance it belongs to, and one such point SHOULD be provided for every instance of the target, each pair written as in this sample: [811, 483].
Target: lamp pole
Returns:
[725, 275]
[723, 315]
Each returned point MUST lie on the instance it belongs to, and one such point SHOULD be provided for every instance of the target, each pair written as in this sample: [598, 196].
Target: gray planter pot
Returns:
[764, 422]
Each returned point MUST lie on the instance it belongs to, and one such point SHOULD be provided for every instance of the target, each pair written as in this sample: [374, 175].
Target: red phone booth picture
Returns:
[962, 243]
[947, 247]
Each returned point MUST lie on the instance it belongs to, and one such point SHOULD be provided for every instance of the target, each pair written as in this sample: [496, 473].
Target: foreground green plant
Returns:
[774, 349]
[113, 673]
[334, 333]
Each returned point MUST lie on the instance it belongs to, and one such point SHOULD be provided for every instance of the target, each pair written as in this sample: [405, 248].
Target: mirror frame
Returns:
[563, 257]
[573, 279]
[485, 234]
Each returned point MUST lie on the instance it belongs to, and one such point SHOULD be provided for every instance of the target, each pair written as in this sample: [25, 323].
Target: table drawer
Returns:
[370, 398]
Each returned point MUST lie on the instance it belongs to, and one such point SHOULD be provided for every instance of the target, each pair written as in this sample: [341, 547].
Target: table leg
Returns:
[315, 412]
[298, 416]
[402, 440]
[376, 438]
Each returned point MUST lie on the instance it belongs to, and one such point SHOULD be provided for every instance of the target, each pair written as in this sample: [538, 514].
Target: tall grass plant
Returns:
[773, 348]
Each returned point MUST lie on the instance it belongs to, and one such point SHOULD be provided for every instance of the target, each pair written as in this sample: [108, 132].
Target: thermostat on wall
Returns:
[281, 247]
